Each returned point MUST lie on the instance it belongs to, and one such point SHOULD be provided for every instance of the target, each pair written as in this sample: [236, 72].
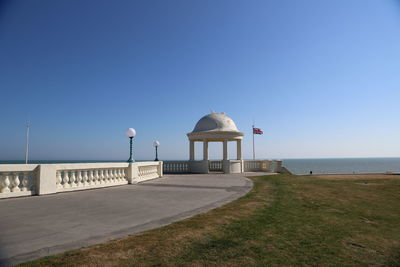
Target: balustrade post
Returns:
[15, 183]
[110, 176]
[65, 179]
[95, 176]
[117, 175]
[79, 178]
[160, 169]
[106, 176]
[58, 179]
[46, 179]
[86, 178]
[5, 184]
[103, 176]
[100, 176]
[25, 182]
[72, 179]
[113, 176]
[90, 177]
[121, 177]
[133, 173]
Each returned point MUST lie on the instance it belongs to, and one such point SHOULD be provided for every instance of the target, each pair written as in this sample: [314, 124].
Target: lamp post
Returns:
[156, 144]
[130, 133]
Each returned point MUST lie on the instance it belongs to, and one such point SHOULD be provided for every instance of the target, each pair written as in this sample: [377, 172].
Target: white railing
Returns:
[176, 167]
[41, 179]
[17, 180]
[81, 176]
[265, 165]
[262, 165]
[252, 165]
[149, 170]
[215, 166]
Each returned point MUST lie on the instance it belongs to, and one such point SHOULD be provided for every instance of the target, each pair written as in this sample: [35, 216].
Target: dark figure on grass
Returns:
[310, 172]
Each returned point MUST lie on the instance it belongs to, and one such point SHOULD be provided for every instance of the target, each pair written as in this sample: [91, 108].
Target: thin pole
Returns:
[156, 154]
[130, 150]
[27, 143]
[254, 152]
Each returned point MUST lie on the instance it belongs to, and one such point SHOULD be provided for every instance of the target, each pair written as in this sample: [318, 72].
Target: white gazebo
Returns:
[216, 127]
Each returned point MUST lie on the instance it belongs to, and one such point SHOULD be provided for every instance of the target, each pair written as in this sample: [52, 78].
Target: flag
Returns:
[257, 131]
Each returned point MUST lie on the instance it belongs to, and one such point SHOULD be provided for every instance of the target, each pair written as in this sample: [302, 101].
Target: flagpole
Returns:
[254, 153]
[27, 142]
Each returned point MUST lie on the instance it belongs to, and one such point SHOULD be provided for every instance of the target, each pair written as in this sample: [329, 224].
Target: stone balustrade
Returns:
[40, 179]
[252, 165]
[176, 166]
[17, 180]
[265, 165]
[227, 166]
[215, 166]
[262, 165]
[81, 176]
[66, 179]
[149, 170]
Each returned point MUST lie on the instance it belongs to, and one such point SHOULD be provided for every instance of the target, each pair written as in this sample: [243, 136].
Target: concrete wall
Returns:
[233, 166]
[198, 166]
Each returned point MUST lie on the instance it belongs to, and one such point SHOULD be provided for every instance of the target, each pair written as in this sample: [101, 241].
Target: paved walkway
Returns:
[33, 227]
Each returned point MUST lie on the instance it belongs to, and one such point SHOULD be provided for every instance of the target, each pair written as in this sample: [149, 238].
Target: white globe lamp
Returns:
[130, 132]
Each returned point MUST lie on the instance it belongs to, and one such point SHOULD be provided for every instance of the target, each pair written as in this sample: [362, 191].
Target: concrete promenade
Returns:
[36, 226]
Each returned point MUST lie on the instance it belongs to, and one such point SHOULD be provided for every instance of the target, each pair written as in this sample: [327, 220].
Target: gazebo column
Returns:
[205, 150]
[239, 149]
[191, 150]
[225, 148]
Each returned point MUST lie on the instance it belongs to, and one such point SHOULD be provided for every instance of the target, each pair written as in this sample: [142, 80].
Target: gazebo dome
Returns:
[216, 127]
[215, 122]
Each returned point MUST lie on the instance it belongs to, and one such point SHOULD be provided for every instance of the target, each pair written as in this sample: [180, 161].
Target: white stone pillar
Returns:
[160, 170]
[191, 149]
[205, 150]
[133, 173]
[46, 179]
[239, 149]
[225, 149]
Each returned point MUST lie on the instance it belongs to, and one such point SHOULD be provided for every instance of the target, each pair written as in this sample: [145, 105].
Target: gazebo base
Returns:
[198, 166]
[207, 166]
[232, 166]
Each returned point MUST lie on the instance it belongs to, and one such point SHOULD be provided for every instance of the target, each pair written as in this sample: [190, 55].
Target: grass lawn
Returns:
[285, 220]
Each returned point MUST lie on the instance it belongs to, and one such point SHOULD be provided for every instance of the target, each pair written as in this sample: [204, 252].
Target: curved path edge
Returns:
[239, 191]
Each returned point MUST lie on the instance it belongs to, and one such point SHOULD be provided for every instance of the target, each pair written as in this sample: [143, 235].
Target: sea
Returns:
[296, 166]
[343, 165]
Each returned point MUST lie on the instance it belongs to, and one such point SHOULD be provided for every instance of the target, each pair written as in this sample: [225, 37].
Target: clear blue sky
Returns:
[321, 78]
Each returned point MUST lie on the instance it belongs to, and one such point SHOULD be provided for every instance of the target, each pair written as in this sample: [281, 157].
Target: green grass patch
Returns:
[285, 220]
